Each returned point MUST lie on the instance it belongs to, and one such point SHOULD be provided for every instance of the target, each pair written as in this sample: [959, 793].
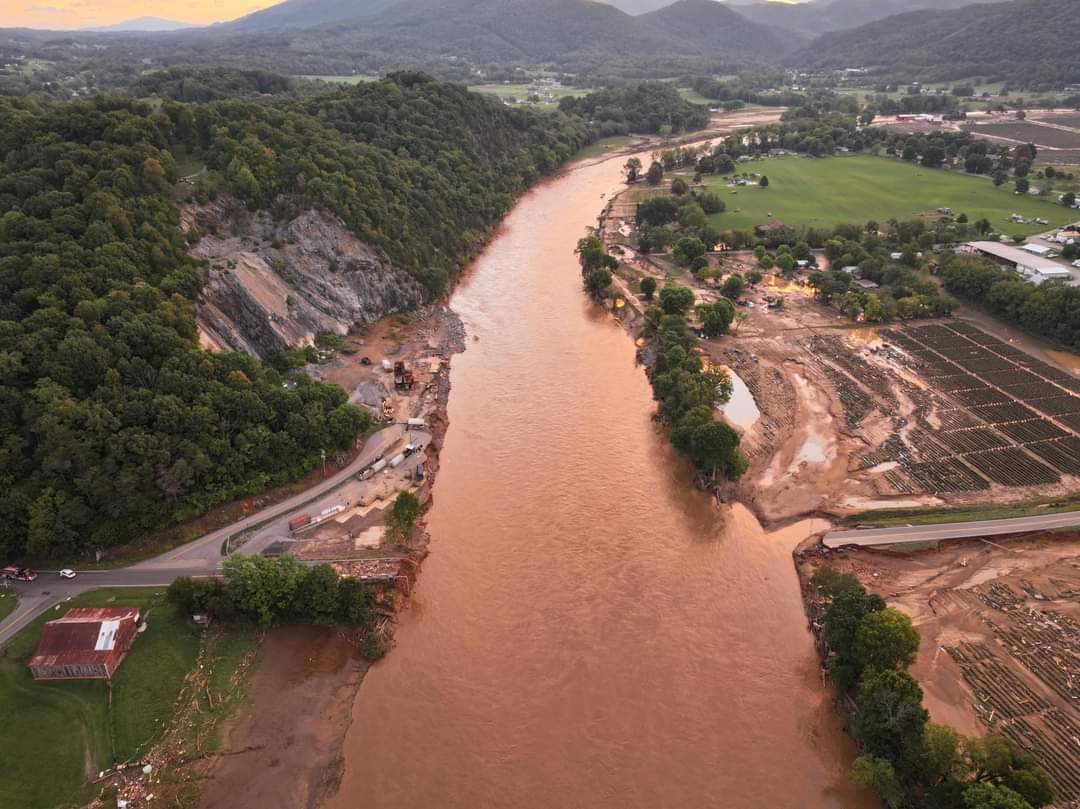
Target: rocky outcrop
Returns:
[274, 285]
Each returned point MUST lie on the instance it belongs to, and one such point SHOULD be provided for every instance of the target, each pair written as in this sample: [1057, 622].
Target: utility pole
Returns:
[322, 454]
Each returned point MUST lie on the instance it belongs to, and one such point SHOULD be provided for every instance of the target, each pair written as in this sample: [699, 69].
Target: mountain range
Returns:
[143, 24]
[1024, 41]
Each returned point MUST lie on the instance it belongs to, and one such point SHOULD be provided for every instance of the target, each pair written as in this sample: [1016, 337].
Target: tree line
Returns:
[905, 758]
[265, 591]
[642, 107]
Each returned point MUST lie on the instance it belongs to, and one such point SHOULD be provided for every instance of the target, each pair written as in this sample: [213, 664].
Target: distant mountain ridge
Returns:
[502, 31]
[147, 24]
[1026, 42]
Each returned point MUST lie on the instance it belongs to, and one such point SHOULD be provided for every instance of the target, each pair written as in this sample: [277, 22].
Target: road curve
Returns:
[902, 535]
[201, 557]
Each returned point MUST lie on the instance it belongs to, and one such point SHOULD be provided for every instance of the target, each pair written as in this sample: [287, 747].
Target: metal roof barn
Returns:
[87, 643]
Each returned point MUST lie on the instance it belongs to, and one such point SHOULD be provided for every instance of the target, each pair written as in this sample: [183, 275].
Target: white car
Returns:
[67, 573]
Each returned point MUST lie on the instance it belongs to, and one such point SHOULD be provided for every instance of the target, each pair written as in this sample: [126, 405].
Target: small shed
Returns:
[87, 643]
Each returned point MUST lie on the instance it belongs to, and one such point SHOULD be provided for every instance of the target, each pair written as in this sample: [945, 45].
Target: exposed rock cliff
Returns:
[272, 285]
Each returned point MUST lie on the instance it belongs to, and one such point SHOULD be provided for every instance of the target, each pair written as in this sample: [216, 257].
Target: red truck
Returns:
[299, 521]
[18, 573]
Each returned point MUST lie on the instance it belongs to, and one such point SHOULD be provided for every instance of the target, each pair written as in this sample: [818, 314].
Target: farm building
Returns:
[84, 644]
[1033, 268]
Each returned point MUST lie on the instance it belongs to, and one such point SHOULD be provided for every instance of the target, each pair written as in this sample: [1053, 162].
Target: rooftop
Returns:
[86, 637]
[1013, 254]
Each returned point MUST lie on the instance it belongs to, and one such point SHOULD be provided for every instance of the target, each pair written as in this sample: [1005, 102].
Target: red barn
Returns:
[84, 644]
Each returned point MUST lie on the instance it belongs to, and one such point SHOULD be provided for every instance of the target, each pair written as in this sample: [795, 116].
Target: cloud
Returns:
[40, 9]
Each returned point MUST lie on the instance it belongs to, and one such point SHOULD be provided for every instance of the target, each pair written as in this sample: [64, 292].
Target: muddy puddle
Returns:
[740, 410]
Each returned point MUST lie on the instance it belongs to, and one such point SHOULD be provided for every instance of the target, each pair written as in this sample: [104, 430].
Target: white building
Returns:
[1035, 269]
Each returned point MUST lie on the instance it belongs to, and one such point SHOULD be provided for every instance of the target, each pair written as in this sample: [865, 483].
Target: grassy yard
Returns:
[885, 518]
[520, 91]
[8, 600]
[857, 188]
[341, 79]
[54, 734]
[605, 145]
[694, 97]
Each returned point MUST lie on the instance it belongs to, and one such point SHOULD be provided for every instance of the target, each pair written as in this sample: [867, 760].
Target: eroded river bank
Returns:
[589, 630]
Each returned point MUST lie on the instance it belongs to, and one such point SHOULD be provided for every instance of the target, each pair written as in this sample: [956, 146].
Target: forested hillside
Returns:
[112, 421]
[1028, 43]
[645, 107]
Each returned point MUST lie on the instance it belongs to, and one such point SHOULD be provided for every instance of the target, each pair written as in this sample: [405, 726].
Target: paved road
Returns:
[902, 535]
[203, 556]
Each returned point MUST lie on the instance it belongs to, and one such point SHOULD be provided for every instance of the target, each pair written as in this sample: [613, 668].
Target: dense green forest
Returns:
[645, 107]
[1027, 43]
[112, 421]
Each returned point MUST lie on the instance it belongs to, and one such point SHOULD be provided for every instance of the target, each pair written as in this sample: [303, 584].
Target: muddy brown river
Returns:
[589, 630]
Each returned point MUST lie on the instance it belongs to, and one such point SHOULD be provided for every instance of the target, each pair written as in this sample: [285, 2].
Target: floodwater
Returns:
[589, 630]
[740, 410]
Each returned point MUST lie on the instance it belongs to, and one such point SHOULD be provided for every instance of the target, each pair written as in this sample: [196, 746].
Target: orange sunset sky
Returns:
[60, 14]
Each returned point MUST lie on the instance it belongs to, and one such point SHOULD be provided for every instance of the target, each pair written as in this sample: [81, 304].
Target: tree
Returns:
[843, 616]
[679, 186]
[891, 717]
[405, 511]
[716, 318]
[632, 169]
[941, 757]
[879, 775]
[676, 299]
[1022, 185]
[687, 249]
[655, 174]
[317, 595]
[733, 286]
[885, 639]
[656, 212]
[753, 277]
[590, 252]
[648, 287]
[598, 282]
[764, 181]
[1068, 199]
[991, 796]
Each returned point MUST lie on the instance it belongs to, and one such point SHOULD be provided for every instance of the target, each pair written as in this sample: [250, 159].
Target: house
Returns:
[1054, 273]
[86, 643]
[850, 269]
[1037, 250]
[866, 283]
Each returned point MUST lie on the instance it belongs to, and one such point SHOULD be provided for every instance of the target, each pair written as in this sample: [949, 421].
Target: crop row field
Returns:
[1032, 133]
[992, 414]
[827, 191]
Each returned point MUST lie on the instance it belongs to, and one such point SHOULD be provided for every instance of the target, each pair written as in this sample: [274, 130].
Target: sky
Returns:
[63, 14]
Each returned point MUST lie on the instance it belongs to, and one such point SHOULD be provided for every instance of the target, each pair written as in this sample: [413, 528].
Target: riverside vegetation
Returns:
[906, 759]
[688, 392]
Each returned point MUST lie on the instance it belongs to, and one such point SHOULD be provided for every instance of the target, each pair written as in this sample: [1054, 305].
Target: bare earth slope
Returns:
[273, 285]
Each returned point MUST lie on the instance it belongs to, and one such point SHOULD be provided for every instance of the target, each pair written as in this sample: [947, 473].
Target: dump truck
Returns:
[403, 377]
[299, 521]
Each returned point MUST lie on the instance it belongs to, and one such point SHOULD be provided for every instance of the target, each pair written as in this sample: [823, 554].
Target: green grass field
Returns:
[886, 517]
[694, 97]
[858, 188]
[605, 145]
[8, 600]
[53, 734]
[341, 79]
